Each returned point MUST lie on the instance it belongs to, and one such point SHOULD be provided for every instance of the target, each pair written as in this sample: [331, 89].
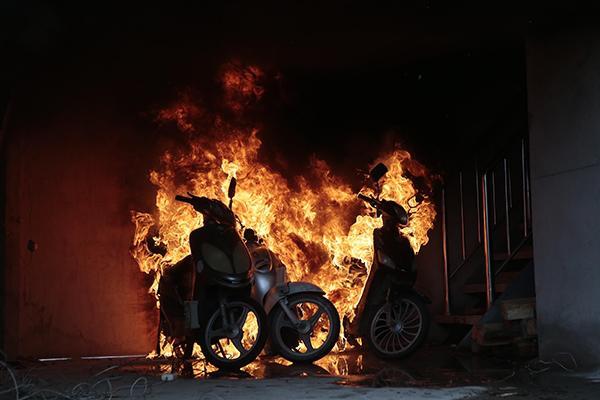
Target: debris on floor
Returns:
[515, 334]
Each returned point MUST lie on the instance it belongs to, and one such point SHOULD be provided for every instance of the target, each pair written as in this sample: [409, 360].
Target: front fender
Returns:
[281, 291]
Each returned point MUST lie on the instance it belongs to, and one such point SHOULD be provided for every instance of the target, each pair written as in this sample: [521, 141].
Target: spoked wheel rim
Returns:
[314, 331]
[396, 327]
[231, 342]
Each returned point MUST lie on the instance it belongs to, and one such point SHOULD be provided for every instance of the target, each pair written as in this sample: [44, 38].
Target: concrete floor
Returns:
[434, 373]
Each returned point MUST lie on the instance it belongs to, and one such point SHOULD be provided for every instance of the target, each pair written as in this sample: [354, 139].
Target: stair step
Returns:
[525, 253]
[474, 288]
[458, 319]
[502, 281]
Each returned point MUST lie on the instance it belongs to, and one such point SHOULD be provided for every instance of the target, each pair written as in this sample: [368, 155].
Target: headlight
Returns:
[261, 259]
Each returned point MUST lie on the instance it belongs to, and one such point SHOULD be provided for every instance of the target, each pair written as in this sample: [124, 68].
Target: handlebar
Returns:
[195, 201]
[371, 200]
[209, 208]
[363, 197]
[183, 199]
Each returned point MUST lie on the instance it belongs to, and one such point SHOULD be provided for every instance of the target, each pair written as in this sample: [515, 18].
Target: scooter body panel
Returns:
[263, 283]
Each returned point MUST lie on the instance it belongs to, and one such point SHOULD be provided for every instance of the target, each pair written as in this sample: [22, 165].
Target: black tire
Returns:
[206, 340]
[285, 338]
[405, 338]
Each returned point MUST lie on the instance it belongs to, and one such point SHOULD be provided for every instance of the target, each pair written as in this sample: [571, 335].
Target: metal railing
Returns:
[495, 220]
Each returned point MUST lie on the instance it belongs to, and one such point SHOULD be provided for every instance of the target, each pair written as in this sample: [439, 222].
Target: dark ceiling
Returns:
[296, 35]
[353, 76]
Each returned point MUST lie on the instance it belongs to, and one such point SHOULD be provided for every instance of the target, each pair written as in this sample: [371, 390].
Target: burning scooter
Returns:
[391, 316]
[216, 283]
[304, 324]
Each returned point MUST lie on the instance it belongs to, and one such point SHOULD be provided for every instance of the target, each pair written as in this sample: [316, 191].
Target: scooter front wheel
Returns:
[312, 335]
[235, 334]
[397, 328]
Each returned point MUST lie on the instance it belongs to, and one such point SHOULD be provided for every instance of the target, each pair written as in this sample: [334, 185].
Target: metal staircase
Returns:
[486, 233]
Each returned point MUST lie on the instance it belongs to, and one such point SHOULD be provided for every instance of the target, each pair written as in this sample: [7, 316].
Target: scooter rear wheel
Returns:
[316, 334]
[236, 343]
[397, 328]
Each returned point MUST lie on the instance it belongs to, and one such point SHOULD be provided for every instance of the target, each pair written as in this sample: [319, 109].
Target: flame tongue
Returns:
[318, 228]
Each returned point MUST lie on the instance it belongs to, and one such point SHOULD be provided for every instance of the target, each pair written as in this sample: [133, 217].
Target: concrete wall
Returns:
[74, 170]
[564, 104]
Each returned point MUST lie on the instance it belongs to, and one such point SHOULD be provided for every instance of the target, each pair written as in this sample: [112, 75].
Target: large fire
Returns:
[314, 223]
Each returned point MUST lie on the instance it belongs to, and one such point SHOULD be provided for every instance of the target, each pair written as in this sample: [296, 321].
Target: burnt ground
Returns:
[433, 373]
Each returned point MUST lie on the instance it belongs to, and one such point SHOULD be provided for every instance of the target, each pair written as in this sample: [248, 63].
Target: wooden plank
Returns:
[496, 333]
[483, 332]
[518, 309]
[529, 327]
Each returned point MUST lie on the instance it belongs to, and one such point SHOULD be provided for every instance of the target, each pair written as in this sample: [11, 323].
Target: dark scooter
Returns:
[391, 317]
[219, 312]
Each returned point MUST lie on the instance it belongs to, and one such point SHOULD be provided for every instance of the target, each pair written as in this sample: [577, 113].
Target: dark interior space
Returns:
[108, 111]
[333, 82]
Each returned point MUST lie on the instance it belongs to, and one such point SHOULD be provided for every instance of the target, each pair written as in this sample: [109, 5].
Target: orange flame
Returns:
[316, 224]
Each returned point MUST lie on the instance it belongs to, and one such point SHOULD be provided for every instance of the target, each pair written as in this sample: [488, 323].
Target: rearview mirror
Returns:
[231, 190]
[378, 172]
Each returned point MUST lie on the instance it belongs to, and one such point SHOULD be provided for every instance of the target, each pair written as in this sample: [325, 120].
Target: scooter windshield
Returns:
[225, 252]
